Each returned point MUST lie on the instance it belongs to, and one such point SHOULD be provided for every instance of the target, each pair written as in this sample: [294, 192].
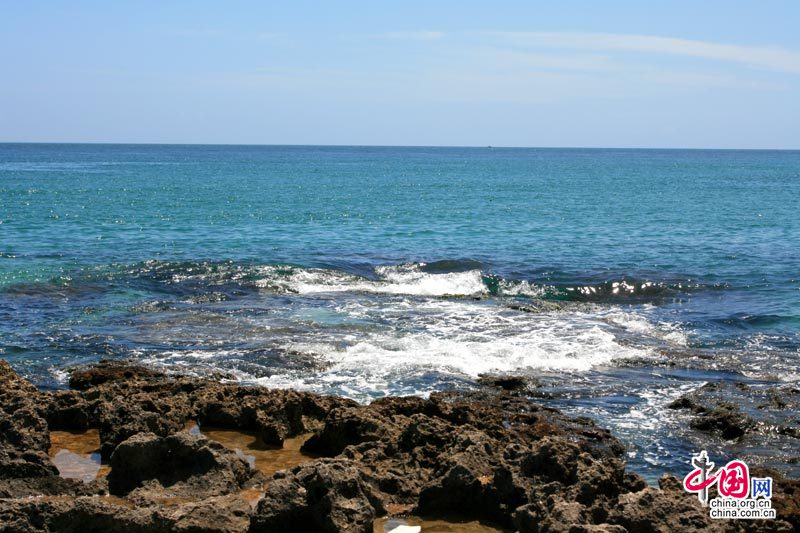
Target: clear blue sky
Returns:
[619, 74]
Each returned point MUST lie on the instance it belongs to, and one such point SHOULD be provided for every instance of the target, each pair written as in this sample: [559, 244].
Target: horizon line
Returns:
[299, 145]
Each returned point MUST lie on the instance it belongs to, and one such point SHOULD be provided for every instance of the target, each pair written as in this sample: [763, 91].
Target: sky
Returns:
[677, 74]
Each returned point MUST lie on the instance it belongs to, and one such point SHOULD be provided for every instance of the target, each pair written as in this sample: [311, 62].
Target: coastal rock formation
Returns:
[186, 465]
[712, 413]
[491, 455]
[755, 422]
[734, 410]
[327, 495]
[25, 469]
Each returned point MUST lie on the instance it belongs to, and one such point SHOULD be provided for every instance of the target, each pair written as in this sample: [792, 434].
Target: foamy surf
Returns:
[393, 363]
[425, 344]
[389, 362]
[402, 279]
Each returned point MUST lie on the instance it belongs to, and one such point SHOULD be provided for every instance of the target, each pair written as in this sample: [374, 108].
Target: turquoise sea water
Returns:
[617, 278]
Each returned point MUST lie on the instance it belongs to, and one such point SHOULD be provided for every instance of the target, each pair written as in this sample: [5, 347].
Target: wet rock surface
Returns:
[736, 409]
[750, 421]
[505, 382]
[25, 468]
[489, 455]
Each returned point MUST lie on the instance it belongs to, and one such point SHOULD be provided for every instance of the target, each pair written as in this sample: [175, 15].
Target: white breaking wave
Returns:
[426, 342]
[640, 325]
[522, 288]
[457, 339]
[403, 279]
[60, 376]
[411, 280]
[410, 341]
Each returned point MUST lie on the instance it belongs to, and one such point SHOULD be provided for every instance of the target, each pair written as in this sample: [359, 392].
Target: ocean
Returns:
[616, 280]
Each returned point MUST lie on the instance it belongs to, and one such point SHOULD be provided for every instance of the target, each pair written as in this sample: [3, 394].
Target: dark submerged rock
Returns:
[726, 419]
[734, 410]
[508, 383]
[740, 418]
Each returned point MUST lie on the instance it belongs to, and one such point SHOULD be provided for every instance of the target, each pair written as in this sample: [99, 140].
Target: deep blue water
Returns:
[618, 278]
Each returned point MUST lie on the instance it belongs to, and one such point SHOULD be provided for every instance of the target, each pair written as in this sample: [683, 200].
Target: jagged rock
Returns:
[725, 418]
[664, 511]
[186, 464]
[489, 454]
[23, 429]
[504, 382]
[68, 409]
[77, 515]
[785, 498]
[128, 417]
[221, 514]
[25, 468]
[345, 427]
[109, 371]
[326, 496]
[718, 408]
[226, 514]
[274, 414]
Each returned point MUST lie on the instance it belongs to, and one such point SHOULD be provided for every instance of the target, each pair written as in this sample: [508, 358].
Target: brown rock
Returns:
[326, 496]
[488, 455]
[108, 371]
[189, 466]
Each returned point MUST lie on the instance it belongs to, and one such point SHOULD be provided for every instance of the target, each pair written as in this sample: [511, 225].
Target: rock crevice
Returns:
[491, 455]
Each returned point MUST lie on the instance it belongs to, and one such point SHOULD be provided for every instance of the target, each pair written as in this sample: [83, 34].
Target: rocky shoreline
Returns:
[490, 455]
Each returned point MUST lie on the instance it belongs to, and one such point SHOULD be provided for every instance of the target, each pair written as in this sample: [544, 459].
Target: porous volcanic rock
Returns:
[25, 468]
[327, 496]
[185, 464]
[491, 455]
[736, 409]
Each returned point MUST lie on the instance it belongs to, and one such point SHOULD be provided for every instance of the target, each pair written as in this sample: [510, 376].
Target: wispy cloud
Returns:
[505, 57]
[767, 57]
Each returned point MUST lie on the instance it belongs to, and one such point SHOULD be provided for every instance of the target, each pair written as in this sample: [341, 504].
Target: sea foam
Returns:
[403, 279]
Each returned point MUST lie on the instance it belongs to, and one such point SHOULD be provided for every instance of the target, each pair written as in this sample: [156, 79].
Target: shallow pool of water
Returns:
[414, 524]
[248, 446]
[76, 454]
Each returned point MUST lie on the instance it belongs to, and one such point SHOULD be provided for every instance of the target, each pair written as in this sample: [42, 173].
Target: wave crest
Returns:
[407, 279]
